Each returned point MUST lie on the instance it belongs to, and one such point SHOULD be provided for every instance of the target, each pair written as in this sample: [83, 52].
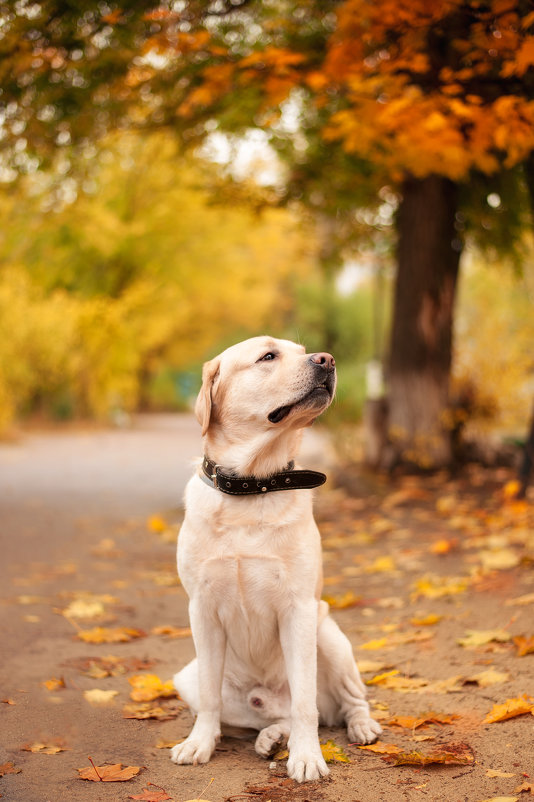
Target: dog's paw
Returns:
[304, 768]
[270, 739]
[193, 750]
[363, 730]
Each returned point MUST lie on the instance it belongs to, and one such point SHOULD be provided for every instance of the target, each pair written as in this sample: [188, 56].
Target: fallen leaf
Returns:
[527, 787]
[333, 753]
[382, 565]
[43, 748]
[161, 744]
[500, 799]
[486, 678]
[109, 774]
[427, 621]
[54, 684]
[348, 599]
[110, 666]
[98, 697]
[381, 748]
[499, 559]
[444, 546]
[147, 687]
[82, 608]
[371, 645]
[413, 722]
[524, 645]
[436, 587]
[152, 796]
[107, 635]
[447, 755]
[157, 524]
[482, 637]
[510, 709]
[497, 773]
[143, 710]
[8, 768]
[8, 702]
[172, 632]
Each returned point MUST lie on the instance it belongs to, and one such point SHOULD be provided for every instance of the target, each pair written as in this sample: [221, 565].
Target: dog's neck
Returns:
[263, 455]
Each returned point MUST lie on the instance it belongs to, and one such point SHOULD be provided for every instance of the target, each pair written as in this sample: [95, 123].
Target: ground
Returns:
[432, 579]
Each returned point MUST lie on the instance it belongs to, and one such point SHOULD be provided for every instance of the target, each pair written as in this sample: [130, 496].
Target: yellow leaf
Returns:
[384, 565]
[43, 748]
[375, 644]
[147, 687]
[447, 755]
[497, 773]
[489, 677]
[348, 599]
[437, 587]
[482, 637]
[333, 753]
[157, 524]
[98, 697]
[381, 748]
[381, 678]
[414, 722]
[107, 635]
[428, 621]
[510, 709]
[161, 744]
[500, 799]
[80, 608]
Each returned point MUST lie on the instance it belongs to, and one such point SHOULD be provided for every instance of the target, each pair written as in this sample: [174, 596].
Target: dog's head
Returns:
[267, 383]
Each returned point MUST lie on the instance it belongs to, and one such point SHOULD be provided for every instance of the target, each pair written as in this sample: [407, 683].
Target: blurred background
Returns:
[355, 175]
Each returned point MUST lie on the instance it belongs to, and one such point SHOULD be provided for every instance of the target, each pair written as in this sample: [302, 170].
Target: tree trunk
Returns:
[421, 342]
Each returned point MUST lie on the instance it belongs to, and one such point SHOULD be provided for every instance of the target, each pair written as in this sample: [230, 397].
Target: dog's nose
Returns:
[327, 360]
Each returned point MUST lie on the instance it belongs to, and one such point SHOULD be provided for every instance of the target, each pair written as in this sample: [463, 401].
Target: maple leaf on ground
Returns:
[147, 687]
[111, 773]
[152, 796]
[486, 678]
[143, 710]
[527, 787]
[8, 768]
[348, 599]
[54, 684]
[172, 632]
[333, 753]
[43, 748]
[524, 645]
[109, 635]
[446, 755]
[95, 696]
[510, 709]
[381, 748]
[482, 637]
[414, 722]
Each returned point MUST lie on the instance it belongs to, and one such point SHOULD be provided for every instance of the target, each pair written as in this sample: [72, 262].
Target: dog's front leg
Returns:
[210, 645]
[298, 636]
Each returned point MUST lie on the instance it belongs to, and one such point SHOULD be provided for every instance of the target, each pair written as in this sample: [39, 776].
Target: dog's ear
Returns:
[203, 403]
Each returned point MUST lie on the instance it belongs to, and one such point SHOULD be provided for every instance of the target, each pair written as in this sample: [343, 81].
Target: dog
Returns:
[269, 656]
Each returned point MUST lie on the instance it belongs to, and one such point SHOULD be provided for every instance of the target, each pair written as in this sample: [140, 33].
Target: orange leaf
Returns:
[413, 722]
[524, 645]
[109, 635]
[109, 774]
[143, 710]
[54, 684]
[510, 709]
[8, 768]
[172, 632]
[382, 748]
[147, 687]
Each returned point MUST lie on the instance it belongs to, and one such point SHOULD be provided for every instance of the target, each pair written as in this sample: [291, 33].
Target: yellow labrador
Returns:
[249, 557]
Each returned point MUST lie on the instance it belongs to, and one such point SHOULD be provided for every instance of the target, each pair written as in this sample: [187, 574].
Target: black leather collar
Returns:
[290, 479]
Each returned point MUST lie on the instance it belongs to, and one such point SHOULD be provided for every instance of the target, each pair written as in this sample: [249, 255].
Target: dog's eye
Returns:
[267, 357]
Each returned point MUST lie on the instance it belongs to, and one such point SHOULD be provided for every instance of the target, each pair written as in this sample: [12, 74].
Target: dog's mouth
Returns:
[322, 392]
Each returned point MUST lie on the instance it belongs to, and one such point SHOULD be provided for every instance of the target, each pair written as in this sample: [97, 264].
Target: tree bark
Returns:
[421, 342]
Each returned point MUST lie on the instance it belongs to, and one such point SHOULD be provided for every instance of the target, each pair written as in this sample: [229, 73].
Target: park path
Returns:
[430, 578]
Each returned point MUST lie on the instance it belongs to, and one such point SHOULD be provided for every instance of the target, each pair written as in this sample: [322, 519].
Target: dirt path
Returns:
[410, 568]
